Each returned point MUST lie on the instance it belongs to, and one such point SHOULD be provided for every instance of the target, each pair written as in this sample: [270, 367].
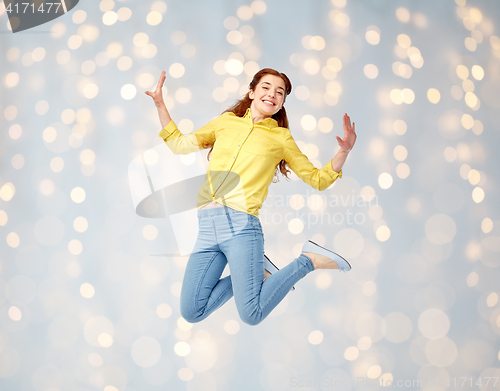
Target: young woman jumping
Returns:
[249, 143]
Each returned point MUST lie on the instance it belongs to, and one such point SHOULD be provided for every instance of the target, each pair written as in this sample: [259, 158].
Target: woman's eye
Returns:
[280, 93]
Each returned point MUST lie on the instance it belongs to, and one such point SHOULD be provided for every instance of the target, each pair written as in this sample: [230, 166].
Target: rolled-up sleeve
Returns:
[181, 144]
[318, 178]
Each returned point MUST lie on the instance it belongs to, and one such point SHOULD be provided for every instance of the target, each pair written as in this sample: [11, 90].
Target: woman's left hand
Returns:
[349, 139]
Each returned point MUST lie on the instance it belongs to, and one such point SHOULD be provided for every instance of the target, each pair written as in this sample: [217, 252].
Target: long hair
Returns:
[241, 106]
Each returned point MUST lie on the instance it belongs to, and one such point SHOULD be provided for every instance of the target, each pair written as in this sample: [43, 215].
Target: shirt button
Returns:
[238, 145]
[234, 157]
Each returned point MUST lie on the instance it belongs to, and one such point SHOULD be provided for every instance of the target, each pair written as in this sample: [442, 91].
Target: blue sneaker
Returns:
[271, 267]
[311, 247]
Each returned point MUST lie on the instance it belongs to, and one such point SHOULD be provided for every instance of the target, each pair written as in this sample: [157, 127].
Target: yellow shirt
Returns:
[244, 159]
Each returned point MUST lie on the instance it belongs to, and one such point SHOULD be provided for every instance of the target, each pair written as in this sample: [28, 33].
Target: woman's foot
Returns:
[322, 258]
[266, 274]
[321, 262]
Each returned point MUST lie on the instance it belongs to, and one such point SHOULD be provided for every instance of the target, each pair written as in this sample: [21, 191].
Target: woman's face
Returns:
[268, 97]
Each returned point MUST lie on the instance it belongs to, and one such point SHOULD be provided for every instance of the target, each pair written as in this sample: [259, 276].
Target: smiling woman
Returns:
[250, 142]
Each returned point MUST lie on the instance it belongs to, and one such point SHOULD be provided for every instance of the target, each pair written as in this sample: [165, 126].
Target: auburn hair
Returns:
[241, 106]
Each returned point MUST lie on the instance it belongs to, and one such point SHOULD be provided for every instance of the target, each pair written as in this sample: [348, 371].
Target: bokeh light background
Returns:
[86, 305]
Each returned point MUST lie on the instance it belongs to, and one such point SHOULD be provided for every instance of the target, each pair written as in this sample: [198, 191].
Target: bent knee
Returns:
[250, 319]
[191, 316]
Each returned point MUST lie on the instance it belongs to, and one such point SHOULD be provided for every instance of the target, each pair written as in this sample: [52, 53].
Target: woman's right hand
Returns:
[157, 94]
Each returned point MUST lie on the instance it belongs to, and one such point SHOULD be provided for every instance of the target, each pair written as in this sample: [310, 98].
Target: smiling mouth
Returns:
[267, 102]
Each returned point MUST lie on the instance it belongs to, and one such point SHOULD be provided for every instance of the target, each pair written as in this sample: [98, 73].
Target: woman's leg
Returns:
[203, 291]
[244, 250]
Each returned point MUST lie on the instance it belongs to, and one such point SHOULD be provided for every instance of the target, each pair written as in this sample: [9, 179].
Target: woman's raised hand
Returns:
[349, 139]
[157, 94]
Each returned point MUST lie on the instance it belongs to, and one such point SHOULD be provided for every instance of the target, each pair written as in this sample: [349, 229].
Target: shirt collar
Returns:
[269, 122]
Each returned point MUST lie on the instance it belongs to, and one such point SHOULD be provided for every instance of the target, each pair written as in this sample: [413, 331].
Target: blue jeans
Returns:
[229, 236]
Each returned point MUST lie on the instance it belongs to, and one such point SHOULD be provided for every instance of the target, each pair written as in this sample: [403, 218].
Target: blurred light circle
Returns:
[374, 372]
[234, 37]
[140, 39]
[105, 340]
[433, 323]
[80, 224]
[90, 90]
[372, 35]
[385, 180]
[477, 354]
[149, 50]
[176, 70]
[124, 63]
[46, 187]
[231, 84]
[349, 242]
[182, 95]
[154, 18]
[231, 327]
[150, 232]
[486, 225]
[146, 352]
[13, 239]
[383, 233]
[87, 290]
[311, 66]
[477, 72]
[308, 122]
[396, 327]
[231, 23]
[20, 290]
[234, 67]
[49, 231]
[185, 374]
[15, 131]
[3, 218]
[440, 229]
[78, 195]
[15, 313]
[115, 115]
[128, 91]
[220, 94]
[203, 353]
[323, 280]
[7, 191]
[478, 195]
[369, 288]
[75, 41]
[370, 71]
[12, 79]
[364, 343]
[79, 16]
[182, 349]
[95, 327]
[164, 311]
[64, 331]
[433, 95]
[109, 18]
[351, 353]
[244, 12]
[315, 337]
[325, 125]
[10, 112]
[295, 226]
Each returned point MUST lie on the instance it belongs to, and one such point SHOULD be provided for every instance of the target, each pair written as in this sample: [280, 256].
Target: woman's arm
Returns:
[346, 144]
[160, 104]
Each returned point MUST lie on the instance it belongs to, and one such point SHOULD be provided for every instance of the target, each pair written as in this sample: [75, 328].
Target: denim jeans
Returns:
[229, 236]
